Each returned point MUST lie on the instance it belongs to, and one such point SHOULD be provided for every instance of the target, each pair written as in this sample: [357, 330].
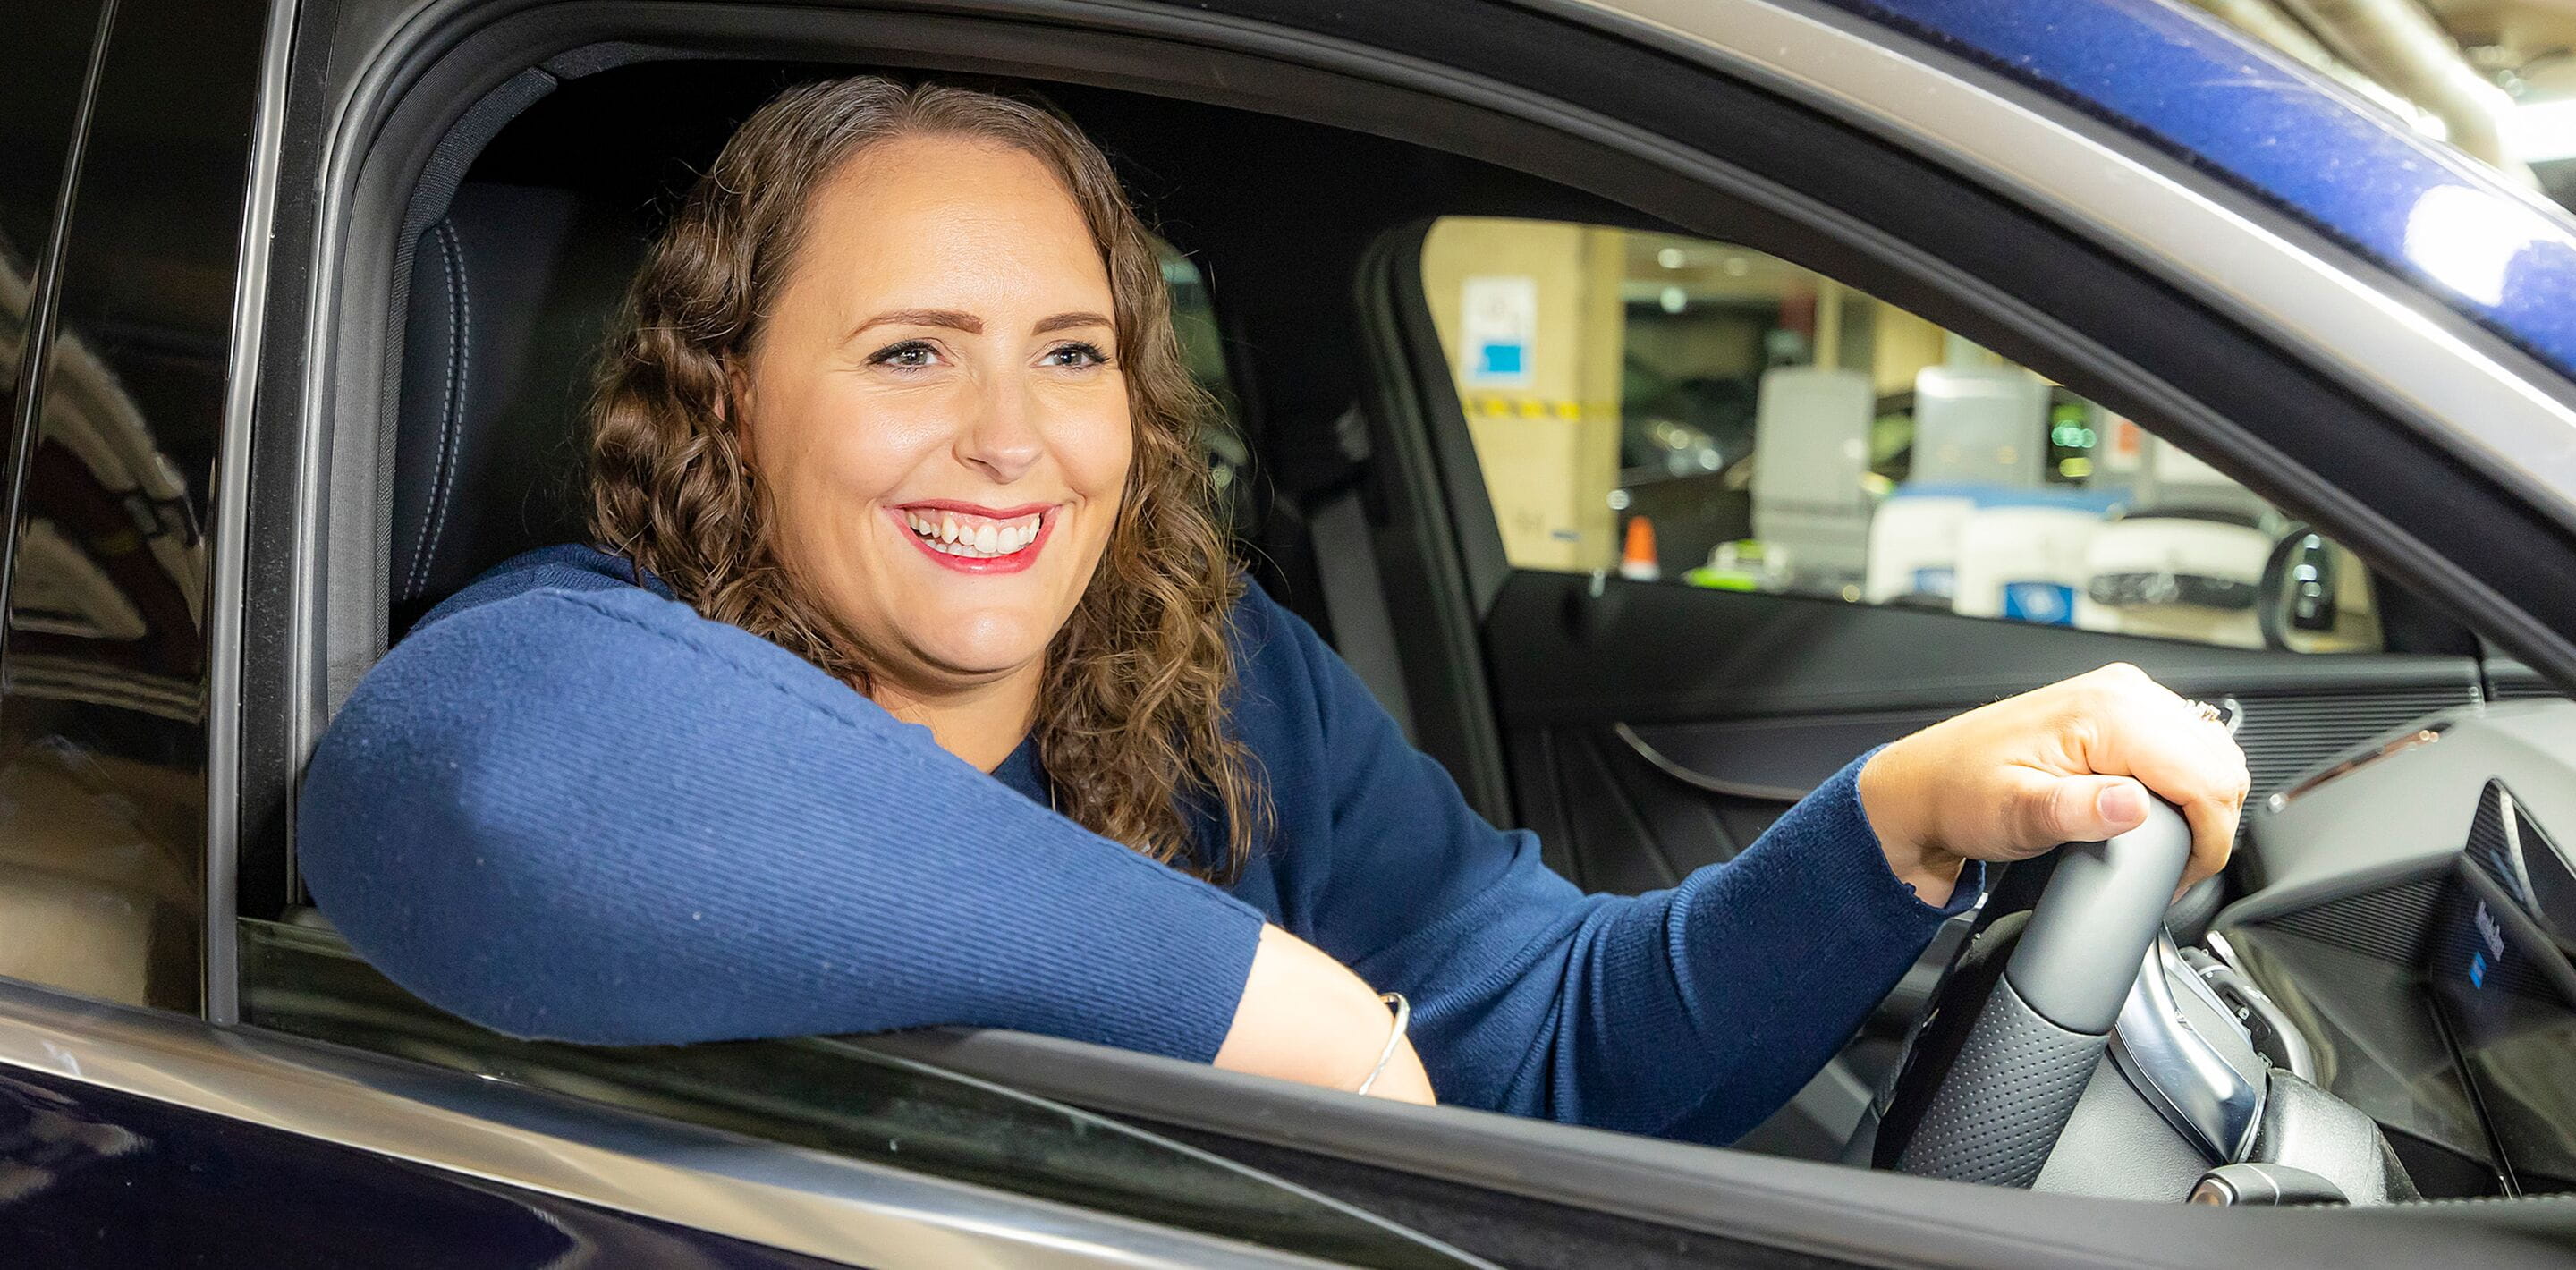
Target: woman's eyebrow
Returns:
[1068, 321]
[950, 319]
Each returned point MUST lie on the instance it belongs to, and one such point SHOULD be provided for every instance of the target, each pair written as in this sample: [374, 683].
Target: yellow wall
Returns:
[1550, 452]
[1903, 346]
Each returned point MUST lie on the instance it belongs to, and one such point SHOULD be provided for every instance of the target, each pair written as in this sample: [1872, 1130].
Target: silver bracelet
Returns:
[1395, 1037]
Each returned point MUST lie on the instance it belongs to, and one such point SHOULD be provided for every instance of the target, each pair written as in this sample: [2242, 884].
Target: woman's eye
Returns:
[1077, 355]
[909, 355]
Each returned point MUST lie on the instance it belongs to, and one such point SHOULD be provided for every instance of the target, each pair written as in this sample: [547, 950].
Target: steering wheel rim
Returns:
[1992, 1076]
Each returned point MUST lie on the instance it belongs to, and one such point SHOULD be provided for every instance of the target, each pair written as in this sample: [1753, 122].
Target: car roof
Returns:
[2181, 81]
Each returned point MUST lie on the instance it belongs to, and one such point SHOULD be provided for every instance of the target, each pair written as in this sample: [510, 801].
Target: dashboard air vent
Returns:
[2388, 924]
[2283, 734]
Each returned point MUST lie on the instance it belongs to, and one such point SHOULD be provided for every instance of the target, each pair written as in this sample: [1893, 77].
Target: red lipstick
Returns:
[1012, 563]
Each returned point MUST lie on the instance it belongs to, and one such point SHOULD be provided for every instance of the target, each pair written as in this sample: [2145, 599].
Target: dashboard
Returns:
[2415, 924]
[2501, 982]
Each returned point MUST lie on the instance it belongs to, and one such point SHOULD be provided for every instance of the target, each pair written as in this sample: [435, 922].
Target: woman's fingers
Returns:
[2139, 727]
[2081, 808]
[2065, 763]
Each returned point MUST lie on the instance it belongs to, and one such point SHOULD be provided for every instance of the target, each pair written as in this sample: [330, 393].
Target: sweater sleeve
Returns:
[592, 815]
[1693, 1012]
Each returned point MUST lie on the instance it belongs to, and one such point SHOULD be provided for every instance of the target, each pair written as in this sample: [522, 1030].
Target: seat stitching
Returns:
[451, 429]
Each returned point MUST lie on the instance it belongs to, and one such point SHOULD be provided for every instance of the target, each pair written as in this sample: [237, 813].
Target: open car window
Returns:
[1697, 412]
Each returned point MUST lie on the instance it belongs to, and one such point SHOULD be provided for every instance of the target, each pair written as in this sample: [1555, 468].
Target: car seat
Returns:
[511, 293]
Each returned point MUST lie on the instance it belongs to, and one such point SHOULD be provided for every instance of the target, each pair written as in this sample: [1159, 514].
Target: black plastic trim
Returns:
[1439, 525]
[1820, 1210]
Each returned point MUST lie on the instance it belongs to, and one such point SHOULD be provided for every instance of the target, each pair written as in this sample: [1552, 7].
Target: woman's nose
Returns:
[1004, 439]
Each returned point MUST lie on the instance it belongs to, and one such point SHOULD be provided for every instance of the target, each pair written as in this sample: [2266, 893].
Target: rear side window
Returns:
[44, 56]
[1203, 351]
[63, 927]
[102, 721]
[1698, 413]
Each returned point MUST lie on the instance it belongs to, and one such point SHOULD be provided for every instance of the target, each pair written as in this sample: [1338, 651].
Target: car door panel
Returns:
[1664, 726]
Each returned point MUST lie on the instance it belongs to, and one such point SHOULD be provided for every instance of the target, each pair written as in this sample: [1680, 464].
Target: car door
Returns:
[124, 144]
[1514, 1191]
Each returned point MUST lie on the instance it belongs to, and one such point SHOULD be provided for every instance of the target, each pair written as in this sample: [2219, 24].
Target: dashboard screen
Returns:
[2500, 980]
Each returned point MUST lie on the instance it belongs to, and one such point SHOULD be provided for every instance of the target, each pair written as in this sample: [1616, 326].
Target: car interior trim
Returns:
[1422, 435]
[2424, 734]
[781, 1196]
[228, 553]
[2182, 1074]
[1408, 345]
[1702, 780]
[2402, 816]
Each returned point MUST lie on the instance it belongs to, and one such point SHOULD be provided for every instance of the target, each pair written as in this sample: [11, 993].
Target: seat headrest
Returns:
[511, 293]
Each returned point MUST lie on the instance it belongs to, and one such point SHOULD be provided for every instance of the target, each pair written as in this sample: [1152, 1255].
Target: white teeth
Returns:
[945, 533]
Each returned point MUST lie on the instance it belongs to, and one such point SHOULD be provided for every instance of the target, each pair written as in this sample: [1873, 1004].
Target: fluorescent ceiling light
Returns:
[2541, 131]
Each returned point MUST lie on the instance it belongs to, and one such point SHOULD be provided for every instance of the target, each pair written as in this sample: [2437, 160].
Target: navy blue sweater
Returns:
[567, 806]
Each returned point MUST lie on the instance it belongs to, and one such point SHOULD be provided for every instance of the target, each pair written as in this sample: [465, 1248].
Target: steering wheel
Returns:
[2018, 1026]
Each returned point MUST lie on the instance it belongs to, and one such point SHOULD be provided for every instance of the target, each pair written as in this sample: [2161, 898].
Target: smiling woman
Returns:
[966, 332]
[908, 681]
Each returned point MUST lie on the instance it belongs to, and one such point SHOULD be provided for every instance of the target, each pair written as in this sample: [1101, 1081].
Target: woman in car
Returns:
[909, 682]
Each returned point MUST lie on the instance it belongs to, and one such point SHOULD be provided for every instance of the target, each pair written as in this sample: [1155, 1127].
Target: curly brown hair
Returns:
[1131, 724]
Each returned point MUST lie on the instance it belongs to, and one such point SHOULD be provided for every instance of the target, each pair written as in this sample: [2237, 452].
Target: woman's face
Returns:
[934, 407]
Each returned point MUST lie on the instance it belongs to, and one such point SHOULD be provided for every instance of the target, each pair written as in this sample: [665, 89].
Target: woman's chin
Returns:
[987, 650]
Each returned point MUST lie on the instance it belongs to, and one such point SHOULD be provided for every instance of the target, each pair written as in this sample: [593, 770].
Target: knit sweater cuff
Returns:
[1165, 977]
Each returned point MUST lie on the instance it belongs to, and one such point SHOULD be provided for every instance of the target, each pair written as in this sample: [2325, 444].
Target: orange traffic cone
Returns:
[1637, 558]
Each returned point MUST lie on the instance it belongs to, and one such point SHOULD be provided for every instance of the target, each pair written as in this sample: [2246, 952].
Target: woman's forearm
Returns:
[595, 816]
[1305, 1017]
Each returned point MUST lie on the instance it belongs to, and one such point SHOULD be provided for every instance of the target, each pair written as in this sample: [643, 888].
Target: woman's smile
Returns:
[972, 538]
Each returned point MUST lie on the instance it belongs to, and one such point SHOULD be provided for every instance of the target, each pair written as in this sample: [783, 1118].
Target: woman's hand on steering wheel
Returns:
[2064, 763]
